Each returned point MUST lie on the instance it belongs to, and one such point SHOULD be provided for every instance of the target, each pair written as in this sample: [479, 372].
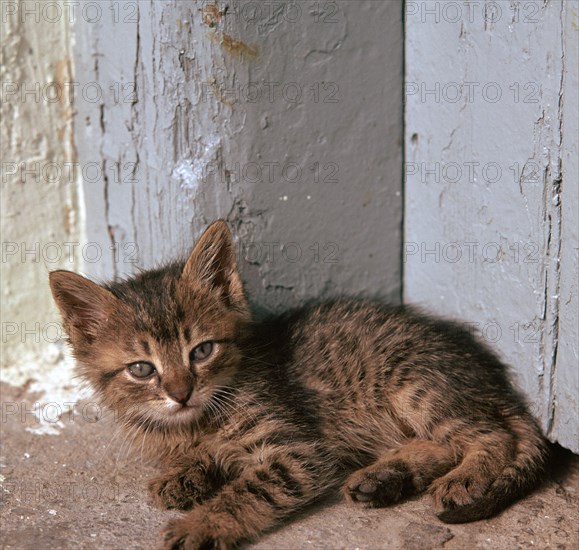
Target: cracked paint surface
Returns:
[193, 136]
[527, 216]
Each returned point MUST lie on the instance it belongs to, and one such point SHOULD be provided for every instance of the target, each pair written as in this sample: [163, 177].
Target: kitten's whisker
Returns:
[145, 433]
[223, 410]
[217, 412]
[117, 459]
[235, 405]
[221, 414]
[136, 434]
[130, 433]
[118, 431]
[235, 399]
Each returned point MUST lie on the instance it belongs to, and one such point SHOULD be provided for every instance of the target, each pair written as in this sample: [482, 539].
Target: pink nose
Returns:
[181, 395]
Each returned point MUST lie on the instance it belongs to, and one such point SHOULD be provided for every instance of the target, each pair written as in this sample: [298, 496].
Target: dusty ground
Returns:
[80, 490]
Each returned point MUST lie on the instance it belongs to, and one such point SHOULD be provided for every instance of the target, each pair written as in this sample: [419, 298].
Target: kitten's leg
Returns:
[186, 483]
[400, 472]
[487, 449]
[275, 482]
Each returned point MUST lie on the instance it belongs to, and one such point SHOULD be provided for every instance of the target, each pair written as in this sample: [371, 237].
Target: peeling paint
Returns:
[52, 378]
[212, 15]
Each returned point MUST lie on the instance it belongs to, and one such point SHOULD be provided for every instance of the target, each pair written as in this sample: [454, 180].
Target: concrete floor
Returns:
[79, 490]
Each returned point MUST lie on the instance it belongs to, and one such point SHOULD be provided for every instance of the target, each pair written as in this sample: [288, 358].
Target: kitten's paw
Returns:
[187, 534]
[379, 484]
[456, 489]
[176, 490]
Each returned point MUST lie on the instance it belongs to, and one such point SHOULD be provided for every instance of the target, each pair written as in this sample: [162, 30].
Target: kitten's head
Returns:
[159, 347]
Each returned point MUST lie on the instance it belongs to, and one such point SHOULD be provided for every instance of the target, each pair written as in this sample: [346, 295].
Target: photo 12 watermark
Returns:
[72, 252]
[473, 172]
[32, 332]
[50, 172]
[272, 92]
[473, 92]
[470, 252]
[288, 252]
[39, 493]
[54, 412]
[472, 11]
[271, 172]
[69, 11]
[72, 92]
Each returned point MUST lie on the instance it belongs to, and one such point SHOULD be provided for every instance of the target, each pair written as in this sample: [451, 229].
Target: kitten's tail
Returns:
[516, 480]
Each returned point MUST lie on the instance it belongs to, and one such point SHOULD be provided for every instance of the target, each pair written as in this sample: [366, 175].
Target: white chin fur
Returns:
[177, 413]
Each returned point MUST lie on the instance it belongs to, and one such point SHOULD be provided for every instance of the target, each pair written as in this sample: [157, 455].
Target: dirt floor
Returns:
[80, 488]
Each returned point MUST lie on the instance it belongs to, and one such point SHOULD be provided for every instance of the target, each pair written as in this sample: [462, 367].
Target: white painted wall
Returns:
[283, 118]
[491, 185]
[39, 223]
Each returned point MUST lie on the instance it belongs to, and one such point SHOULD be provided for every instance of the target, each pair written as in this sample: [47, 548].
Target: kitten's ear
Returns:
[213, 263]
[84, 305]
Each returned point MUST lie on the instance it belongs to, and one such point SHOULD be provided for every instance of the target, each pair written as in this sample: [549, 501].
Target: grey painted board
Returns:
[491, 186]
[286, 121]
[566, 383]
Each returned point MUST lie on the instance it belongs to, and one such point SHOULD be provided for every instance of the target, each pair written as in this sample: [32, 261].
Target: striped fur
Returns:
[380, 401]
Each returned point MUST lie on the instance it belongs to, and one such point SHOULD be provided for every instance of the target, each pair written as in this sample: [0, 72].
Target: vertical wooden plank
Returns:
[483, 189]
[40, 226]
[103, 110]
[565, 411]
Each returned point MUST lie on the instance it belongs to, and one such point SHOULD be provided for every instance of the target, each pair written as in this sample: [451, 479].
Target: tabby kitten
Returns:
[250, 421]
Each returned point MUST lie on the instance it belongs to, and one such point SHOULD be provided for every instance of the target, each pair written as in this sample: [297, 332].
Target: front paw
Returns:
[194, 534]
[176, 490]
[378, 485]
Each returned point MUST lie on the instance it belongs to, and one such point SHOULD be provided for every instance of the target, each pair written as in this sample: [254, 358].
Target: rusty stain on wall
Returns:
[62, 76]
[233, 46]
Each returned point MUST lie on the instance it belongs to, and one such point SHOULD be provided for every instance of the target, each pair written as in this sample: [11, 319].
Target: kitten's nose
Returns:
[181, 395]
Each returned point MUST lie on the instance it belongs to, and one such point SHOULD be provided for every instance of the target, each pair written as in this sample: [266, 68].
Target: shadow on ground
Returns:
[82, 489]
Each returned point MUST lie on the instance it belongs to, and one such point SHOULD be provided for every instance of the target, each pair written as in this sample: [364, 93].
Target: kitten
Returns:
[251, 421]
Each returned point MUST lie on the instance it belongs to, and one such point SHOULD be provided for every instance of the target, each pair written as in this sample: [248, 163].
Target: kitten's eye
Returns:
[202, 351]
[141, 369]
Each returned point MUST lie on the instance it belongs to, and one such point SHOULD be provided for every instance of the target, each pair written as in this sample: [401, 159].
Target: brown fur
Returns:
[379, 400]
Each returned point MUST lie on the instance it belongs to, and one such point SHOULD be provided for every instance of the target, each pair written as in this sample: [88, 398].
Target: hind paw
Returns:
[453, 491]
